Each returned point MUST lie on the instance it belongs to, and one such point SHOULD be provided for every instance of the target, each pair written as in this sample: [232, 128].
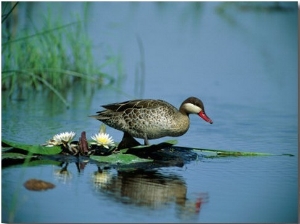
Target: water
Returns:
[242, 62]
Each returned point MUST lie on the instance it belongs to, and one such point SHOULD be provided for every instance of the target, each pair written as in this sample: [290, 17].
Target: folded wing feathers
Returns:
[119, 107]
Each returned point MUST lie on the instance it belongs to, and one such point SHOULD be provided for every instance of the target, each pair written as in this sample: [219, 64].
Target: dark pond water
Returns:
[240, 59]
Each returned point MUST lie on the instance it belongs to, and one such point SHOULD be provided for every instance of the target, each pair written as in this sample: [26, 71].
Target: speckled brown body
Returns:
[149, 119]
[153, 118]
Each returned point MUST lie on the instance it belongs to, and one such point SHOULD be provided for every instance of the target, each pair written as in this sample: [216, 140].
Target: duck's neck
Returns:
[181, 124]
[183, 111]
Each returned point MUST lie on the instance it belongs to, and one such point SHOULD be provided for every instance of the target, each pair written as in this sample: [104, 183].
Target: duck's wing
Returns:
[134, 104]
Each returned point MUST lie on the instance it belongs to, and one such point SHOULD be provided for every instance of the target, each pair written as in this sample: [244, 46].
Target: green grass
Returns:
[54, 57]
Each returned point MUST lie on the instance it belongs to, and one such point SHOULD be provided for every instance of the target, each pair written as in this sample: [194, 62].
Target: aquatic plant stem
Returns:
[10, 11]
[39, 34]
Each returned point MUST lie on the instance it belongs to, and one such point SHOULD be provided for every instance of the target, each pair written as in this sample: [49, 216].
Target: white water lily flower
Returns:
[61, 138]
[103, 139]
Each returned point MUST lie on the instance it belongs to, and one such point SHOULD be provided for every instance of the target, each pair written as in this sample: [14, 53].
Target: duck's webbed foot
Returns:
[127, 141]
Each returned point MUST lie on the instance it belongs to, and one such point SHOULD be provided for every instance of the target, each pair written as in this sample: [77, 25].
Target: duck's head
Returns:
[193, 105]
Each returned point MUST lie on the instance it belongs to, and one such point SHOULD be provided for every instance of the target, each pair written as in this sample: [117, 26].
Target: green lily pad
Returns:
[129, 155]
[34, 149]
[120, 158]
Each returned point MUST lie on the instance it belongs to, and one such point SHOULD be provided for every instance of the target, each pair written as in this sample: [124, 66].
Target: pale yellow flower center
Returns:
[103, 139]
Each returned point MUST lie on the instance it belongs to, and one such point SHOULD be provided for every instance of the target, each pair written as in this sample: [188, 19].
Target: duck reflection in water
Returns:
[150, 189]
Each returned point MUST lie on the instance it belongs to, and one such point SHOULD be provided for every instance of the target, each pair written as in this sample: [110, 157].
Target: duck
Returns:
[151, 119]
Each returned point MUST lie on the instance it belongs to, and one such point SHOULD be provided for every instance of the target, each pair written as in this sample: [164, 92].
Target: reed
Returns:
[54, 57]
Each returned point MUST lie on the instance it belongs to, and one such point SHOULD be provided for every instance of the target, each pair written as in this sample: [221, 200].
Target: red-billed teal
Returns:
[151, 119]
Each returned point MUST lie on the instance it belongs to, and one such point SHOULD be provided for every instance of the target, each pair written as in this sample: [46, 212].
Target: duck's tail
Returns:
[102, 116]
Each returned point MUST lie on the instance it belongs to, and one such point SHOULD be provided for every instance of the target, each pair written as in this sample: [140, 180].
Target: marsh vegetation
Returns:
[55, 57]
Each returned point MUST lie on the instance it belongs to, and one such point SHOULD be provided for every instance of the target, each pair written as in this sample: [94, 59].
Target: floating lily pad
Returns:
[163, 154]
[34, 149]
[120, 158]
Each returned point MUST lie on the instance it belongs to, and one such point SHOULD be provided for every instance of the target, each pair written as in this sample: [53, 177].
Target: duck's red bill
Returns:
[205, 117]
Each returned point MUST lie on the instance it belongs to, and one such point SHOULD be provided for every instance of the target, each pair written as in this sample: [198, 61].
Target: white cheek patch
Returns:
[191, 108]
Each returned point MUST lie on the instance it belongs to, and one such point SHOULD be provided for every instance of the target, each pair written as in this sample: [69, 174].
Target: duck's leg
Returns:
[128, 141]
[146, 142]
